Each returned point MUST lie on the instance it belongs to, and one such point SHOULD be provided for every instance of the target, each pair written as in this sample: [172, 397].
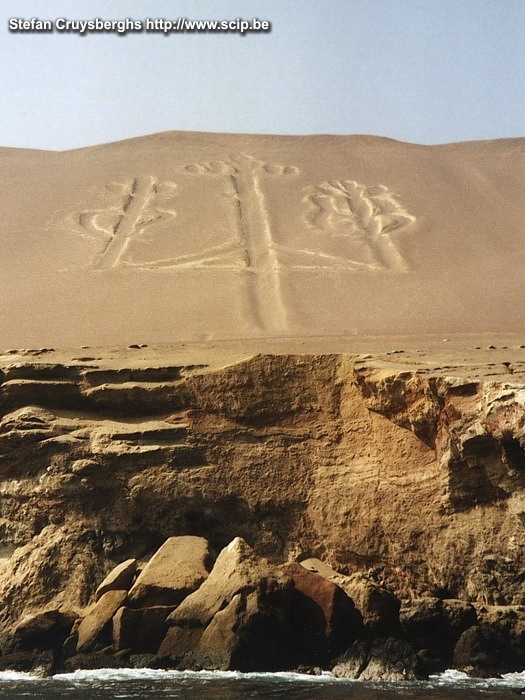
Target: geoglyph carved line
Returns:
[199, 260]
[304, 259]
[254, 238]
[366, 215]
[242, 178]
[142, 202]
[228, 171]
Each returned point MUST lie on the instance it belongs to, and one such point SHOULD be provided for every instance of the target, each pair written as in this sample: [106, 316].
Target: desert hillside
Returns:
[191, 236]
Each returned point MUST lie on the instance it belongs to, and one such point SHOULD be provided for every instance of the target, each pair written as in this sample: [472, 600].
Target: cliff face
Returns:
[413, 473]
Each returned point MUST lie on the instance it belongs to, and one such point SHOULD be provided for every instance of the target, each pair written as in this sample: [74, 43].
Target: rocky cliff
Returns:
[409, 471]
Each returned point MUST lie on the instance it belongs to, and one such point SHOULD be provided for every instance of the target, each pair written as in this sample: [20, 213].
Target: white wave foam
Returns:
[18, 676]
[518, 677]
[113, 674]
[116, 674]
[450, 676]
[285, 676]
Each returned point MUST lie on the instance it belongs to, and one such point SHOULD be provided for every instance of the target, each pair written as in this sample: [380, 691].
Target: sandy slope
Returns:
[198, 237]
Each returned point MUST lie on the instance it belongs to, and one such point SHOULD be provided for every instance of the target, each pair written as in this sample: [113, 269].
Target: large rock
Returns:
[237, 569]
[388, 659]
[40, 664]
[433, 626]
[175, 570]
[496, 645]
[43, 630]
[483, 651]
[378, 606]
[178, 645]
[322, 613]
[140, 630]
[119, 579]
[240, 618]
[58, 569]
[250, 634]
[97, 618]
[220, 641]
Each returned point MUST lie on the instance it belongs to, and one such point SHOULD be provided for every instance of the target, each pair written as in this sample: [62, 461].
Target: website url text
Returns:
[181, 25]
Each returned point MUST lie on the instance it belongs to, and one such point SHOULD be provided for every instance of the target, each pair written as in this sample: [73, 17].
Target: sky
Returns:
[423, 71]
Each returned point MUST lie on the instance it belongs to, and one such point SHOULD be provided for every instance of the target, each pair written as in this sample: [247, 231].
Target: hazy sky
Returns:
[425, 71]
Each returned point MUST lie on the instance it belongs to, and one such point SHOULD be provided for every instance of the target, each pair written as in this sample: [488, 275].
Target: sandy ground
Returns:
[501, 357]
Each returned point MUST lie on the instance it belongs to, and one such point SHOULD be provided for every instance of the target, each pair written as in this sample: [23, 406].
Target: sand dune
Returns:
[188, 236]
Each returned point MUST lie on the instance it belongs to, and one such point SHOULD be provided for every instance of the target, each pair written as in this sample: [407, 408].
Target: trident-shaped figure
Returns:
[243, 177]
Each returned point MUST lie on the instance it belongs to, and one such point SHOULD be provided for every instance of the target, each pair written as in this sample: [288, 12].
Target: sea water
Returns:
[122, 684]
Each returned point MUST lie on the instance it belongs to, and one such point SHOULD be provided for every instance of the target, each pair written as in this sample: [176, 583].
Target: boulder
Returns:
[97, 618]
[218, 644]
[41, 664]
[119, 579]
[140, 630]
[237, 568]
[43, 630]
[175, 570]
[179, 644]
[483, 651]
[240, 618]
[252, 633]
[458, 614]
[433, 626]
[388, 659]
[496, 645]
[322, 613]
[378, 606]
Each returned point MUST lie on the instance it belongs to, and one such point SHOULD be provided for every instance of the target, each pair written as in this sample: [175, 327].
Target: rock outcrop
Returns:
[251, 615]
[495, 645]
[378, 606]
[324, 614]
[141, 630]
[43, 630]
[247, 615]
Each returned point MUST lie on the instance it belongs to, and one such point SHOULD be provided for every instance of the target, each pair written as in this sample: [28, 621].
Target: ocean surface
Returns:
[204, 685]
